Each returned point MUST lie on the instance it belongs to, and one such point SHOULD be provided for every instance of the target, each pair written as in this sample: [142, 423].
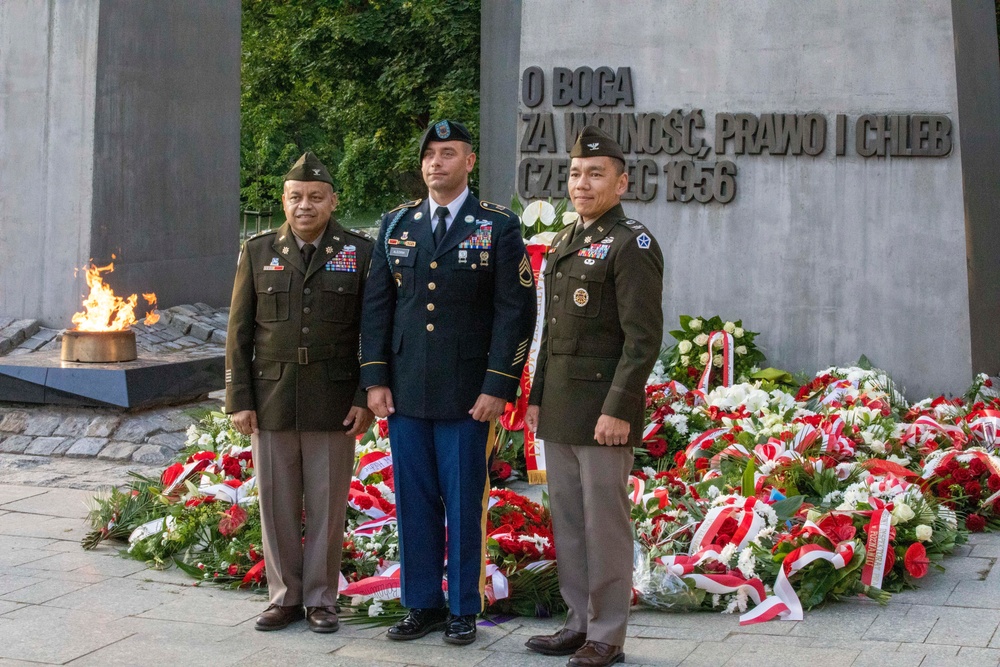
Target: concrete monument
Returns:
[829, 172]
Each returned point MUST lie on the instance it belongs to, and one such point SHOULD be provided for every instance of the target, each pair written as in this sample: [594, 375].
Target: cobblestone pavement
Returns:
[62, 605]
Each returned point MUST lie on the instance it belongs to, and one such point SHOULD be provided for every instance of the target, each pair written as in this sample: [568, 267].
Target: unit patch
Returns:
[581, 297]
[643, 240]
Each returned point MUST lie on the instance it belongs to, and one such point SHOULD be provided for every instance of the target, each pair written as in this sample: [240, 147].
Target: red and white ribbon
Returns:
[702, 442]
[985, 425]
[727, 360]
[534, 449]
[369, 528]
[373, 462]
[498, 588]
[876, 548]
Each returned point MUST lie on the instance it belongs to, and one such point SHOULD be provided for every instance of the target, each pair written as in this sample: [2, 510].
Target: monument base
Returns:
[153, 379]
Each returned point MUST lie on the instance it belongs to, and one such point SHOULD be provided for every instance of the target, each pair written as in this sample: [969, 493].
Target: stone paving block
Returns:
[979, 656]
[172, 441]
[213, 607]
[932, 650]
[981, 550]
[760, 642]
[10, 583]
[883, 659]
[137, 429]
[709, 654]
[105, 565]
[713, 634]
[75, 425]
[117, 597]
[666, 652]
[981, 594]
[181, 323]
[835, 621]
[132, 650]
[170, 575]
[965, 627]
[29, 525]
[153, 454]
[68, 503]
[893, 627]
[218, 337]
[496, 659]
[86, 447]
[42, 424]
[118, 451]
[441, 655]
[15, 557]
[80, 633]
[271, 657]
[47, 446]
[817, 657]
[43, 591]
[15, 444]
[201, 331]
[14, 421]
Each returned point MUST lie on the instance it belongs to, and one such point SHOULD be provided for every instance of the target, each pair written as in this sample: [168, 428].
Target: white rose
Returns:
[924, 532]
[703, 358]
[684, 346]
[901, 513]
[694, 325]
[570, 217]
[717, 361]
[685, 360]
[701, 340]
[738, 332]
[741, 349]
[729, 327]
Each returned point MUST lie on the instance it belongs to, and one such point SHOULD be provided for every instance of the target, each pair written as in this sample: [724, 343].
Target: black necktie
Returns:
[441, 213]
[307, 253]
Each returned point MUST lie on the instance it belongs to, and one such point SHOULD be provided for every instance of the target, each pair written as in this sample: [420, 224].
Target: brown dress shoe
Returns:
[277, 617]
[596, 654]
[322, 619]
[564, 642]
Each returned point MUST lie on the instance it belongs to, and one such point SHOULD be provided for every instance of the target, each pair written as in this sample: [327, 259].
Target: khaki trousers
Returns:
[593, 534]
[290, 466]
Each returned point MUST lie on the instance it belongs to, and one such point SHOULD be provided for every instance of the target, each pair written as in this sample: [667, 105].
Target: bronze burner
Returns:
[98, 346]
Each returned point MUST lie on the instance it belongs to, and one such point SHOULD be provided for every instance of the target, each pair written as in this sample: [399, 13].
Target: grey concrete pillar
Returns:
[119, 133]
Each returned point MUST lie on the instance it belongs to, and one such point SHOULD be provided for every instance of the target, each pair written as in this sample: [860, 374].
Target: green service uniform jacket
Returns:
[603, 328]
[292, 345]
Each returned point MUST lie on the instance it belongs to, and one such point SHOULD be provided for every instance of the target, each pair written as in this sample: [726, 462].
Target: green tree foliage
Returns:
[357, 82]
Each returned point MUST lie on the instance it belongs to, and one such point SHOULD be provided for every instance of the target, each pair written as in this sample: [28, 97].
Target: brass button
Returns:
[555, 297]
[599, 376]
[558, 274]
[306, 290]
[397, 261]
[431, 286]
[340, 289]
[260, 373]
[307, 310]
[434, 265]
[552, 321]
[305, 330]
[430, 327]
[583, 276]
[473, 266]
[270, 289]
[430, 306]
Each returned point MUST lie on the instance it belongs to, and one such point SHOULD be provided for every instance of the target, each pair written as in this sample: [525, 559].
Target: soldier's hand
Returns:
[245, 421]
[361, 418]
[531, 418]
[611, 431]
[487, 408]
[380, 401]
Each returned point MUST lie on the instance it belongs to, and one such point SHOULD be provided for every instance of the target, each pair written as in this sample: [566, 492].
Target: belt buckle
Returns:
[303, 356]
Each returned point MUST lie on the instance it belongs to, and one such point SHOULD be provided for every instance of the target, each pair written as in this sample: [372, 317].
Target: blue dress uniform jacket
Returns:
[292, 346]
[440, 326]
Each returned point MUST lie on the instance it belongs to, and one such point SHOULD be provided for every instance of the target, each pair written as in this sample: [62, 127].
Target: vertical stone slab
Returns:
[500, 57]
[166, 147]
[830, 254]
[48, 65]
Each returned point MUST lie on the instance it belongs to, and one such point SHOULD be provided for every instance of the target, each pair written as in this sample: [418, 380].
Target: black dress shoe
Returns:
[564, 642]
[596, 654]
[322, 619]
[418, 623]
[277, 617]
[460, 630]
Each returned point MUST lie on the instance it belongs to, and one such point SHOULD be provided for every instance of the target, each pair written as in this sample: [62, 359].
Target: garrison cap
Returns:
[595, 143]
[445, 130]
[309, 168]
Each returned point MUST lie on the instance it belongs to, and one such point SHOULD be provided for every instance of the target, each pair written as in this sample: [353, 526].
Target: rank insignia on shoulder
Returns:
[524, 274]
[643, 240]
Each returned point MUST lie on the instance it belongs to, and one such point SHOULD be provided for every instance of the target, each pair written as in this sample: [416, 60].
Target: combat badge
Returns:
[463, 256]
[643, 240]
[581, 297]
[484, 258]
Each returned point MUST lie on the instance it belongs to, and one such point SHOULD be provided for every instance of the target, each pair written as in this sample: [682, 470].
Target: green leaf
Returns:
[774, 375]
[748, 480]
[864, 363]
[787, 507]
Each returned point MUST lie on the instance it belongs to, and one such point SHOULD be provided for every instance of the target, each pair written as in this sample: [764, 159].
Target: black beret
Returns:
[308, 168]
[445, 130]
[595, 143]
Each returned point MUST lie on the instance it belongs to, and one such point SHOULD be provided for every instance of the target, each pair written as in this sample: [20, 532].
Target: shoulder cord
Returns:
[388, 233]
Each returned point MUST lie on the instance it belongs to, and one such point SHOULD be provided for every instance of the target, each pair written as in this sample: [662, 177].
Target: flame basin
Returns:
[98, 346]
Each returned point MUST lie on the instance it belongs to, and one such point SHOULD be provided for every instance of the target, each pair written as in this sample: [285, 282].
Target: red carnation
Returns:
[701, 464]
[231, 466]
[680, 458]
[364, 502]
[975, 523]
[233, 570]
[916, 560]
[202, 456]
[383, 428]
[171, 474]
